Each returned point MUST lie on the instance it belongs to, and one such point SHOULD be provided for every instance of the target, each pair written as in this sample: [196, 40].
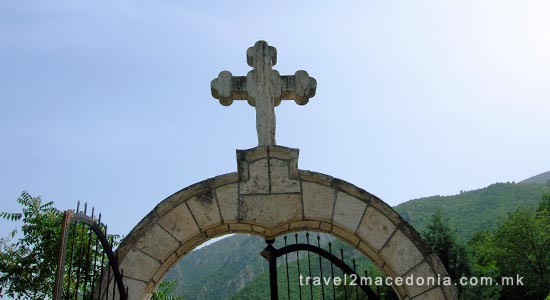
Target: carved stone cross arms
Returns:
[263, 88]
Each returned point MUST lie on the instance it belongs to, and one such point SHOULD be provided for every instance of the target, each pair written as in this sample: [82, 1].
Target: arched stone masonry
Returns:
[269, 196]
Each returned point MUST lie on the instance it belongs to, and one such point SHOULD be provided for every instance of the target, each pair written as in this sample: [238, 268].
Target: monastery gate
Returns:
[269, 196]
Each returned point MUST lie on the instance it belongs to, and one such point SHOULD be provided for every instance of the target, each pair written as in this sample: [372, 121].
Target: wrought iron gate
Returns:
[87, 266]
[324, 259]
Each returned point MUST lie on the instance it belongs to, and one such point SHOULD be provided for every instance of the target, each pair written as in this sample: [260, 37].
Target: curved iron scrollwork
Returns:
[270, 253]
[86, 260]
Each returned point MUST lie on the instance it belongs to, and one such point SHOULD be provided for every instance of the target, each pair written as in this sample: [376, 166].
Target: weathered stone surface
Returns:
[351, 190]
[327, 227]
[191, 243]
[240, 227]
[179, 222]
[314, 177]
[285, 153]
[138, 265]
[134, 288]
[386, 210]
[252, 154]
[271, 210]
[375, 228]
[166, 265]
[205, 210]
[218, 230]
[371, 253]
[263, 88]
[228, 200]
[401, 253]
[439, 269]
[304, 225]
[224, 179]
[434, 294]
[423, 271]
[157, 242]
[348, 211]
[318, 201]
[280, 177]
[258, 178]
[346, 235]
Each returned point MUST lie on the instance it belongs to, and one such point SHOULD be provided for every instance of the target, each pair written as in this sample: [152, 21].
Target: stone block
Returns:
[135, 288]
[348, 211]
[263, 231]
[239, 227]
[180, 223]
[139, 266]
[401, 253]
[318, 201]
[191, 243]
[279, 228]
[283, 153]
[224, 179]
[271, 210]
[351, 189]
[228, 201]
[375, 228]
[371, 253]
[252, 154]
[327, 227]
[386, 210]
[423, 271]
[257, 178]
[304, 225]
[281, 182]
[166, 265]
[434, 294]
[345, 235]
[157, 242]
[216, 231]
[205, 210]
[315, 177]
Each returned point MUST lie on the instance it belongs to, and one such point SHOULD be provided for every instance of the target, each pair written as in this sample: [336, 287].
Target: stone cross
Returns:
[263, 88]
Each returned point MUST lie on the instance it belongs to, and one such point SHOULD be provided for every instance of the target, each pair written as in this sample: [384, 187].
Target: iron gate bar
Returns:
[321, 266]
[68, 218]
[287, 275]
[309, 268]
[298, 262]
[271, 253]
[332, 271]
[344, 274]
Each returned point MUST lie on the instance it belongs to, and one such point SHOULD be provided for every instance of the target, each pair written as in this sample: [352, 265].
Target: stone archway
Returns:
[269, 196]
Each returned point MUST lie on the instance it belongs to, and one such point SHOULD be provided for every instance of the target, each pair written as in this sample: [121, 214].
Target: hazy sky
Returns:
[109, 101]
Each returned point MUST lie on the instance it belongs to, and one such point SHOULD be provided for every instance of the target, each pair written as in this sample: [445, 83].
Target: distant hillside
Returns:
[220, 269]
[543, 178]
[472, 211]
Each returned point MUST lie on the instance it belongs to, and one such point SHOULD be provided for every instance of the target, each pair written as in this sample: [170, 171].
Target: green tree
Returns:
[483, 264]
[444, 243]
[164, 291]
[544, 204]
[520, 247]
[26, 265]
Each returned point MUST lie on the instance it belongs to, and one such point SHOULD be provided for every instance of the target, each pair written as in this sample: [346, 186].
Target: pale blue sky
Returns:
[109, 101]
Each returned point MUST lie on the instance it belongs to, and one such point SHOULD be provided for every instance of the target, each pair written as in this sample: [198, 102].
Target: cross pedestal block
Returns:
[269, 185]
[268, 170]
